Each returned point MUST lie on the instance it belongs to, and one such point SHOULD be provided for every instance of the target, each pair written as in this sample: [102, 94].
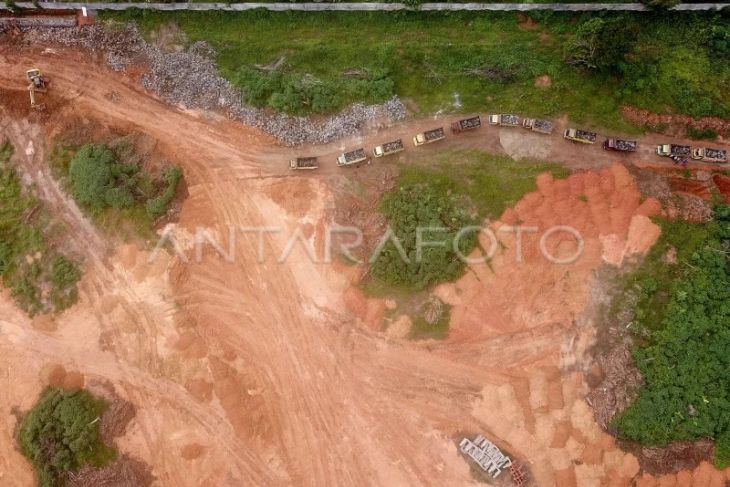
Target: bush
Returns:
[157, 206]
[686, 390]
[91, 177]
[601, 44]
[61, 434]
[420, 206]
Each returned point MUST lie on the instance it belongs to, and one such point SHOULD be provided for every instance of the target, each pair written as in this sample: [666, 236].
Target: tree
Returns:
[61, 434]
[600, 43]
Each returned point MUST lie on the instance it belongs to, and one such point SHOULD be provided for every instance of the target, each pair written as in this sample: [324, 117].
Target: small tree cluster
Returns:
[439, 217]
[61, 434]
[99, 181]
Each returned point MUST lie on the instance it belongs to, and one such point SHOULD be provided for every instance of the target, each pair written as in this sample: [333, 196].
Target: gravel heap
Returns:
[190, 78]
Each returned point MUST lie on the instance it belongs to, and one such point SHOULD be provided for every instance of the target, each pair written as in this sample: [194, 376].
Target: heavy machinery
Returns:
[37, 83]
[620, 145]
[466, 124]
[709, 155]
[537, 125]
[582, 136]
[353, 158]
[304, 163]
[388, 148]
[504, 120]
[429, 136]
[668, 150]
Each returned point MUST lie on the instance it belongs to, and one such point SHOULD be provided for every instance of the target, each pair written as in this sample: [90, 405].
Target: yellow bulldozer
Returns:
[37, 83]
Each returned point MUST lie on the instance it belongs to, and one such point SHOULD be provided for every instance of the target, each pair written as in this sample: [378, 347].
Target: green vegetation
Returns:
[41, 280]
[108, 181]
[61, 434]
[454, 190]
[684, 362]
[701, 134]
[420, 206]
[661, 61]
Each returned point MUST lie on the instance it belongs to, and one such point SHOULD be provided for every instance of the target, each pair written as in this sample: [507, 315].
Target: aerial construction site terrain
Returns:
[212, 277]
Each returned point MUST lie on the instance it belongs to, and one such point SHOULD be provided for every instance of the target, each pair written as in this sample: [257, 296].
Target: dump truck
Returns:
[582, 136]
[709, 155]
[353, 158]
[429, 136]
[620, 145]
[504, 120]
[304, 163]
[388, 148]
[466, 124]
[537, 125]
[668, 150]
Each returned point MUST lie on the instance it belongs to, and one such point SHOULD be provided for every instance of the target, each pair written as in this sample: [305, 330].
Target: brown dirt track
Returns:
[257, 373]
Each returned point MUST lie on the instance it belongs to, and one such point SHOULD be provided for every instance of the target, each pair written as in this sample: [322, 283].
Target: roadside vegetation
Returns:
[61, 435]
[110, 183]
[585, 65]
[40, 278]
[682, 318]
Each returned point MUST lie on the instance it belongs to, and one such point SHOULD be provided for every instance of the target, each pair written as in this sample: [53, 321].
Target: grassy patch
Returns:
[41, 279]
[61, 435]
[492, 183]
[332, 59]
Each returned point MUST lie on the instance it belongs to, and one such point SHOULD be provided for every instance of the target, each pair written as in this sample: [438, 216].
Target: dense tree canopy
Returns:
[686, 390]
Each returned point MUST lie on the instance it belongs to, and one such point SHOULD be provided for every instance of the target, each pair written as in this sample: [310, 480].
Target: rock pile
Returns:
[190, 78]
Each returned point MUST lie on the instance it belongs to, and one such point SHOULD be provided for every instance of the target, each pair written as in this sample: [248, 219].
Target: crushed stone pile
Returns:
[190, 78]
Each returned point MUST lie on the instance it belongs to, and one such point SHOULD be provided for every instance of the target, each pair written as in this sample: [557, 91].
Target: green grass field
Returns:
[427, 58]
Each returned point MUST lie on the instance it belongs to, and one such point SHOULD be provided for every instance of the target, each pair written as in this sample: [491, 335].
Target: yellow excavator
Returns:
[37, 83]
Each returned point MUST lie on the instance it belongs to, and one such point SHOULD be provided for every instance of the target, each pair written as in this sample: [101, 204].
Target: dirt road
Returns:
[257, 372]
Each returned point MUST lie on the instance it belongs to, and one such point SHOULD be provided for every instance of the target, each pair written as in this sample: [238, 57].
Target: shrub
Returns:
[91, 177]
[600, 43]
[420, 206]
[157, 206]
[61, 434]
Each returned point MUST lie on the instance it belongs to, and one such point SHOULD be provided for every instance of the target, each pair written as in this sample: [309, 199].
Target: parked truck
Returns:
[537, 125]
[620, 145]
[429, 136]
[466, 124]
[709, 155]
[582, 136]
[304, 163]
[504, 120]
[388, 148]
[668, 150]
[353, 158]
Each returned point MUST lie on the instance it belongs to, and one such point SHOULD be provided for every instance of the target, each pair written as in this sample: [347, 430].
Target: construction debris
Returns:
[190, 78]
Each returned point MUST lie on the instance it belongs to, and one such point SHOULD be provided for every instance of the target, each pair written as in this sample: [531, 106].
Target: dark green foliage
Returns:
[157, 206]
[699, 134]
[297, 93]
[61, 434]
[686, 390]
[420, 206]
[98, 180]
[660, 4]
[113, 191]
[601, 43]
[40, 279]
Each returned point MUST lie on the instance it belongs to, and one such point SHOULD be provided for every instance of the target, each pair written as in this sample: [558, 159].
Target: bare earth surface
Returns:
[260, 373]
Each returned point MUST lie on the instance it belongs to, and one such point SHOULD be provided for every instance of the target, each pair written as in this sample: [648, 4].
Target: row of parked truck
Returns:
[359, 156]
